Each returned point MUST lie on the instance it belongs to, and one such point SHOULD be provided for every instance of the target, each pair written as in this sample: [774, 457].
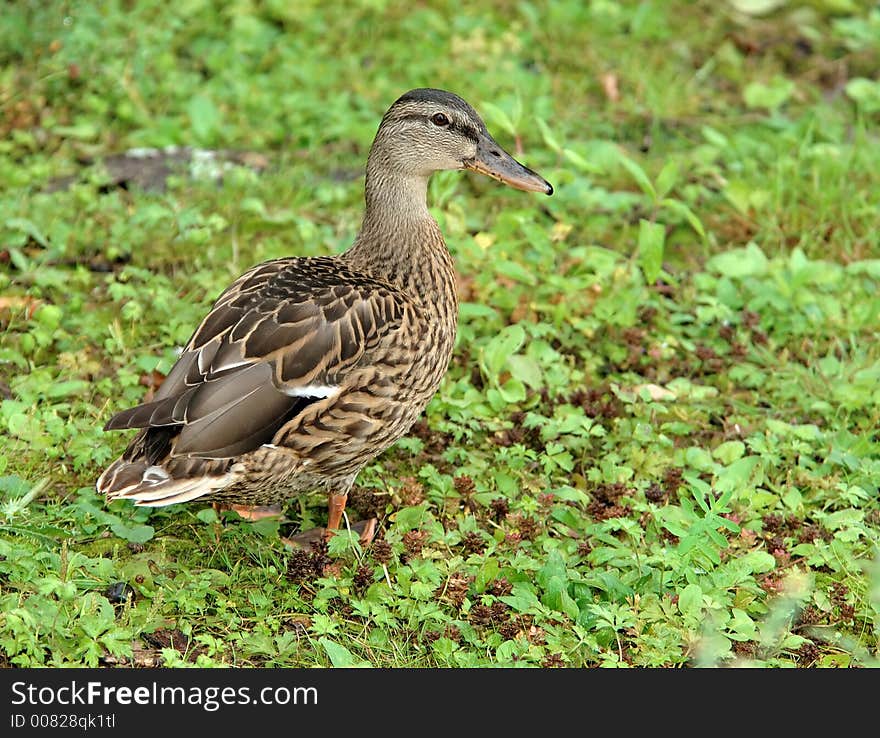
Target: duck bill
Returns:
[495, 162]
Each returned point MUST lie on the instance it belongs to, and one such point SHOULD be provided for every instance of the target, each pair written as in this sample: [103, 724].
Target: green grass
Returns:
[657, 444]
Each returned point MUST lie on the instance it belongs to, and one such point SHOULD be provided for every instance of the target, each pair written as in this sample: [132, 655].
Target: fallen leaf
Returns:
[152, 381]
[655, 391]
[18, 302]
[609, 86]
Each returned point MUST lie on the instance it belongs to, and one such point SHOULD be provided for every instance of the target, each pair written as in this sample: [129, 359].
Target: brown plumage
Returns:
[305, 369]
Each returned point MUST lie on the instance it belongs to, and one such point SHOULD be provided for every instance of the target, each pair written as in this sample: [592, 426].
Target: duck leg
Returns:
[366, 529]
[336, 506]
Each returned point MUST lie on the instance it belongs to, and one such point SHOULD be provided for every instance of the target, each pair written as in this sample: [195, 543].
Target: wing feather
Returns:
[282, 328]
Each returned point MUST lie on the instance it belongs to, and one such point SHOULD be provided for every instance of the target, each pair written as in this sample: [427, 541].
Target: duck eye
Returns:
[439, 119]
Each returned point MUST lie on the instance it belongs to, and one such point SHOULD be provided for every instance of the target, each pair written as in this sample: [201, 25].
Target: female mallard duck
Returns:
[306, 369]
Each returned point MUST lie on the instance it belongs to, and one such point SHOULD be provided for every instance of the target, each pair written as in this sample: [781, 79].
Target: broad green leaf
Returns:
[14, 486]
[444, 647]
[547, 135]
[557, 597]
[690, 601]
[582, 162]
[512, 391]
[742, 473]
[741, 626]
[869, 267]
[204, 118]
[555, 567]
[756, 562]
[768, 95]
[82, 130]
[497, 117]
[866, 93]
[487, 573]
[526, 370]
[678, 207]
[570, 494]
[843, 519]
[638, 174]
[67, 388]
[338, 654]
[133, 533]
[410, 518]
[506, 652]
[699, 459]
[652, 237]
[499, 349]
[715, 137]
[667, 179]
[30, 228]
[738, 263]
[207, 515]
[516, 272]
[729, 451]
[522, 598]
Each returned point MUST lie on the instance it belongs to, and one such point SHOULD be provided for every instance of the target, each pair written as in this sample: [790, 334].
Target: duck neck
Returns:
[394, 195]
[399, 241]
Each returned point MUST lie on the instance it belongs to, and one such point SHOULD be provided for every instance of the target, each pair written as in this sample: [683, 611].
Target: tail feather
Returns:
[152, 485]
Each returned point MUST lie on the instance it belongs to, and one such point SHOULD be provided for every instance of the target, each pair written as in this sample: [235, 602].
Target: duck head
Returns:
[428, 130]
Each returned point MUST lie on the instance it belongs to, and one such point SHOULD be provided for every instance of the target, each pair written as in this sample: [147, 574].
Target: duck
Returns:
[305, 369]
